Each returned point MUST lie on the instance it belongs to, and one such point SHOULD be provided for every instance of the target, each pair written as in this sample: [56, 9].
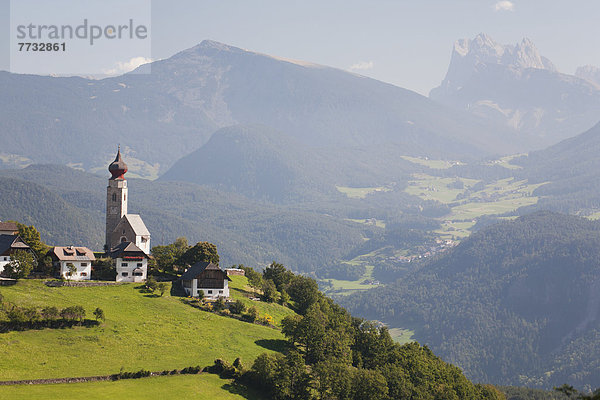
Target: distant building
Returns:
[208, 278]
[235, 271]
[8, 245]
[131, 262]
[121, 226]
[80, 257]
[8, 228]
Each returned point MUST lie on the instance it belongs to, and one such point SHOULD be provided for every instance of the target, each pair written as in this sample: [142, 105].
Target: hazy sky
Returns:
[407, 43]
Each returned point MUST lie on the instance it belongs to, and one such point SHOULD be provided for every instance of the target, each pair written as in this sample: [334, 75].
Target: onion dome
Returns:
[118, 167]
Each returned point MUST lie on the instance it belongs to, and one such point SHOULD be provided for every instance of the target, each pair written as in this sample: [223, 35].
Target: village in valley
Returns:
[127, 247]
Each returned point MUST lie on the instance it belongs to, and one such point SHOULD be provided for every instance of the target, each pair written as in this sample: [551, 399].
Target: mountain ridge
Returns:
[516, 86]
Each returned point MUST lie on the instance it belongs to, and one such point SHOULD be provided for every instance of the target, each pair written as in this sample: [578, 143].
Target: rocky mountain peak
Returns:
[484, 49]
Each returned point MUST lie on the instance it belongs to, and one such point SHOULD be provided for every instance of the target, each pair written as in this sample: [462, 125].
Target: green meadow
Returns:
[203, 387]
[141, 331]
[360, 193]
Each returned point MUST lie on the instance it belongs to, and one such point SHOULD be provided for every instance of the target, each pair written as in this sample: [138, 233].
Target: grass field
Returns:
[402, 335]
[505, 162]
[348, 287]
[434, 164]
[141, 331]
[203, 387]
[377, 222]
[239, 289]
[430, 187]
[360, 193]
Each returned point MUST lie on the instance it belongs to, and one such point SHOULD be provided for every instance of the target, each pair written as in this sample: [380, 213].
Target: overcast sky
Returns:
[407, 43]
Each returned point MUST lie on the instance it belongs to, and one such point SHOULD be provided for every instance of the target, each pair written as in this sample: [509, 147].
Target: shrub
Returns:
[99, 314]
[238, 364]
[266, 320]
[219, 305]
[191, 370]
[50, 313]
[251, 314]
[151, 284]
[73, 313]
[238, 307]
[162, 288]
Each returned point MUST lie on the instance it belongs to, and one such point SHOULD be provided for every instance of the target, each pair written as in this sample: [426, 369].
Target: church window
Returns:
[124, 197]
[123, 239]
[114, 197]
[84, 274]
[84, 264]
[125, 274]
[209, 291]
[140, 264]
[123, 264]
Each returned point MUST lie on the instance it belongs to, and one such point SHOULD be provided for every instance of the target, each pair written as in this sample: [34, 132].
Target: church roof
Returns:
[118, 167]
[137, 224]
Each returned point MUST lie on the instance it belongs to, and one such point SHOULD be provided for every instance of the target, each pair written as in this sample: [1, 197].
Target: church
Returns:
[127, 238]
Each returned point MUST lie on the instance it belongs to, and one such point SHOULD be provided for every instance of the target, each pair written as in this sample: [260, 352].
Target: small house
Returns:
[8, 245]
[8, 228]
[73, 262]
[208, 278]
[131, 262]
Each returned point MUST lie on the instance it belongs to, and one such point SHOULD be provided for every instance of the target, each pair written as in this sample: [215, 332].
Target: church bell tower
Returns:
[116, 197]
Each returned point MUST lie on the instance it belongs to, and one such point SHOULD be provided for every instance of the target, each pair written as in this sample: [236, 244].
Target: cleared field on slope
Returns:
[141, 331]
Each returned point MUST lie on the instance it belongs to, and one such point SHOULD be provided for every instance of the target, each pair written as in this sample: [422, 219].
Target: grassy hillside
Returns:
[141, 331]
[202, 387]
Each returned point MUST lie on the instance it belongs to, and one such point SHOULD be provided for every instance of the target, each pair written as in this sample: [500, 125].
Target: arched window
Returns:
[114, 197]
[123, 239]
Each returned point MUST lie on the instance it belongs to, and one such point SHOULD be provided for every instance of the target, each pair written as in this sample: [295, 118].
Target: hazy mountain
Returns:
[161, 116]
[68, 208]
[571, 169]
[516, 303]
[590, 73]
[516, 86]
[266, 164]
[257, 161]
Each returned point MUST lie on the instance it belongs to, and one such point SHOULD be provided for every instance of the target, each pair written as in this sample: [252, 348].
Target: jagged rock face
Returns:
[517, 86]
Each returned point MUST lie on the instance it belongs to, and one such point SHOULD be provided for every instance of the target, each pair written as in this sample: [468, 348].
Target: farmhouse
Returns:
[130, 261]
[206, 277]
[8, 228]
[79, 257]
[8, 245]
